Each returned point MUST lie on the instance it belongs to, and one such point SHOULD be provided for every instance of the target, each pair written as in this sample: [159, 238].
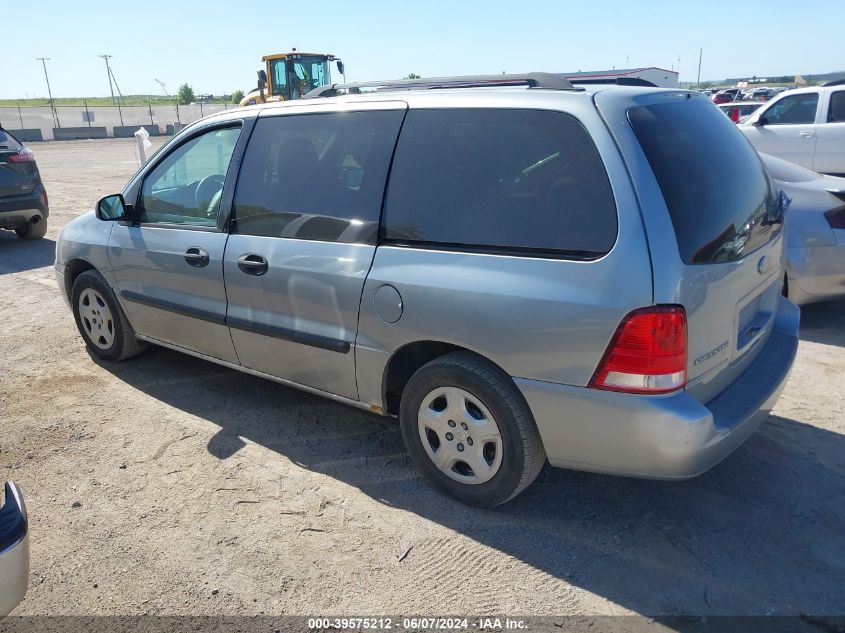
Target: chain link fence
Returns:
[39, 123]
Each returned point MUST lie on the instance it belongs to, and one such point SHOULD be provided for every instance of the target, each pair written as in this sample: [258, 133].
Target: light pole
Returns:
[108, 72]
[44, 61]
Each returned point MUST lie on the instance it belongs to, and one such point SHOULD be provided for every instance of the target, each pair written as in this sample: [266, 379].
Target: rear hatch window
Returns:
[717, 191]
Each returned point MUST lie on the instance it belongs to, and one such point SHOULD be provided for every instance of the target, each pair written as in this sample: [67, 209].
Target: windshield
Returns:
[306, 73]
[717, 191]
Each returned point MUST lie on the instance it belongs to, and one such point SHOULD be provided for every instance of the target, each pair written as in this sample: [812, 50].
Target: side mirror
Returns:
[761, 120]
[262, 79]
[112, 208]
[340, 68]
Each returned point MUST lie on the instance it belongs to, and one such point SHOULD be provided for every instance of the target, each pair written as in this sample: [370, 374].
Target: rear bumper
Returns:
[16, 211]
[661, 437]
[14, 550]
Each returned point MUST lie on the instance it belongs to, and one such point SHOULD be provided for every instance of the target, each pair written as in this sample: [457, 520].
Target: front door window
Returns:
[186, 187]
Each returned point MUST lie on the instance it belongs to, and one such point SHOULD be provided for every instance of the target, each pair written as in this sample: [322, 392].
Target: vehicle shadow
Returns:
[16, 255]
[824, 322]
[760, 533]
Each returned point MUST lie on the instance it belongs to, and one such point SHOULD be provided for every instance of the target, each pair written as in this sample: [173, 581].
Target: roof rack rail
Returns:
[617, 81]
[835, 82]
[546, 81]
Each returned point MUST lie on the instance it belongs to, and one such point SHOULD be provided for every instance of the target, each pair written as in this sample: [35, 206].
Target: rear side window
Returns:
[316, 176]
[715, 187]
[530, 180]
[836, 111]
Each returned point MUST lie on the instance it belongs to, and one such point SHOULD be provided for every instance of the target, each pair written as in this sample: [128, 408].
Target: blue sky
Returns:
[217, 46]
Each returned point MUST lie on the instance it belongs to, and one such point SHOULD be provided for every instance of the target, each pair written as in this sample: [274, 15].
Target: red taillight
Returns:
[836, 218]
[648, 353]
[25, 155]
[44, 195]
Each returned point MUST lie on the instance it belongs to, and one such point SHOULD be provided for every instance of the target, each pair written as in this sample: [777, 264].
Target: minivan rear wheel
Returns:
[469, 430]
[101, 321]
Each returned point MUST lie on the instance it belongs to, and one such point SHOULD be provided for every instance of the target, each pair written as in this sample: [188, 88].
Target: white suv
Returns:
[804, 126]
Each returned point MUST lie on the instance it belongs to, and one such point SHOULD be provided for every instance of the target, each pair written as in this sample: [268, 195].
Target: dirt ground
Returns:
[168, 485]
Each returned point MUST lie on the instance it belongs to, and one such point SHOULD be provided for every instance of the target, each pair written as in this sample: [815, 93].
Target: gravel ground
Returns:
[168, 485]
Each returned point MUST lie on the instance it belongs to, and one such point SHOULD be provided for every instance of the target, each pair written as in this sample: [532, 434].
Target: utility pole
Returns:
[108, 72]
[44, 61]
[176, 100]
[698, 81]
[119, 96]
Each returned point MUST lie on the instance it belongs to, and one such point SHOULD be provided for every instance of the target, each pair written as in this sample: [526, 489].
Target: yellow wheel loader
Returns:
[291, 75]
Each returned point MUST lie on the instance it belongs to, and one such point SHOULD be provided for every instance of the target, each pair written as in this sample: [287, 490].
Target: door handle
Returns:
[252, 264]
[196, 256]
[808, 134]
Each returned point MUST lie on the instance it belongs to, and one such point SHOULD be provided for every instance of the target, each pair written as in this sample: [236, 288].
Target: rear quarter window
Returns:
[518, 180]
[717, 191]
[8, 142]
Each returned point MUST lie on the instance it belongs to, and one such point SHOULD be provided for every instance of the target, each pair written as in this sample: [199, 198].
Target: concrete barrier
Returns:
[173, 128]
[128, 131]
[74, 133]
[28, 135]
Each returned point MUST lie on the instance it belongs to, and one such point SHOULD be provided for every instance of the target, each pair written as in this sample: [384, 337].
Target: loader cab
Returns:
[292, 75]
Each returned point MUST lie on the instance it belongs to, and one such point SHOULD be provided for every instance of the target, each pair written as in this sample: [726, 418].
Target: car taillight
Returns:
[647, 354]
[25, 155]
[836, 218]
[44, 195]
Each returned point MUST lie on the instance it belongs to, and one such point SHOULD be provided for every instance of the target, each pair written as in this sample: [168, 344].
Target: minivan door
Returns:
[303, 233]
[169, 263]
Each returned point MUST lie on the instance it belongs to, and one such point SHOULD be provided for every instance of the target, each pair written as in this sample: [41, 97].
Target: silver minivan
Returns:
[518, 269]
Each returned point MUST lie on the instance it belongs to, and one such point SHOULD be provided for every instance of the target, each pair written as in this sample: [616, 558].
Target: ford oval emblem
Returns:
[763, 265]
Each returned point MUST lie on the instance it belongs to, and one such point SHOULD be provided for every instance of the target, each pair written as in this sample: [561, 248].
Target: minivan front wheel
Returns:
[469, 430]
[100, 320]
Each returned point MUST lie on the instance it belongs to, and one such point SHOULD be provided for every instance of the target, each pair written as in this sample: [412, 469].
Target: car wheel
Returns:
[35, 229]
[469, 430]
[101, 321]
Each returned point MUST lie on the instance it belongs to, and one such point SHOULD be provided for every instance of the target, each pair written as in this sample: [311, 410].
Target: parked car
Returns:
[727, 96]
[590, 275]
[761, 94]
[738, 110]
[815, 232]
[804, 126]
[23, 198]
[14, 549]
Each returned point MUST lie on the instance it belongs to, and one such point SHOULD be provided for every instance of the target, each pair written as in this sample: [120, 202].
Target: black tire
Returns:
[125, 344]
[35, 229]
[523, 455]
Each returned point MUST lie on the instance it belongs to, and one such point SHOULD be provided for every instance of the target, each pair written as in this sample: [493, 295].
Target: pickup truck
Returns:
[14, 549]
[804, 126]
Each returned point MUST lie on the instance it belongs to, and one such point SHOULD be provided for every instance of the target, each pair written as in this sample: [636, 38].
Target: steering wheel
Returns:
[206, 190]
